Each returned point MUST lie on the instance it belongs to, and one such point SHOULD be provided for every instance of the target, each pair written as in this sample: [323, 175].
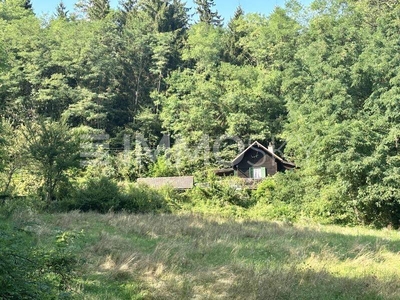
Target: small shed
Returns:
[178, 183]
[258, 161]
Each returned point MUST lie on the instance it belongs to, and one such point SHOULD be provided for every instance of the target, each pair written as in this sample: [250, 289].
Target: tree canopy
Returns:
[324, 81]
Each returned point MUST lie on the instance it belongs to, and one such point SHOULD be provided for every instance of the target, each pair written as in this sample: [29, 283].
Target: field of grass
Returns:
[126, 256]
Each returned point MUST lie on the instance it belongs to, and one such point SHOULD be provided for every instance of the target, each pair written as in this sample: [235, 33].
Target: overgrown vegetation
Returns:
[80, 87]
[86, 97]
[30, 269]
[126, 256]
[104, 195]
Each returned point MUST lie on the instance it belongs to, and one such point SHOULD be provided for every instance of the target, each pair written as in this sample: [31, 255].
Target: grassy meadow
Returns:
[188, 256]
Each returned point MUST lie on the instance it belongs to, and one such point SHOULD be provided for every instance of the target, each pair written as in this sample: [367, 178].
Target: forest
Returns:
[321, 81]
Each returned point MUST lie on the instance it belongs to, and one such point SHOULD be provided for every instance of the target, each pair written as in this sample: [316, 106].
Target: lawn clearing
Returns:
[197, 257]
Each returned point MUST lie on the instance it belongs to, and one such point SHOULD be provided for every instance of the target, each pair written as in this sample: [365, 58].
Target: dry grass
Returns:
[195, 257]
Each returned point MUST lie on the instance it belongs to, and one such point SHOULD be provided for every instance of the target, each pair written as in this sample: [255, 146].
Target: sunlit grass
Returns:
[190, 256]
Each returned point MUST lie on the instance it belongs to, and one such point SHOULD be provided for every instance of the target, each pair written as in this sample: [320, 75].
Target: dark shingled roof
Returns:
[239, 158]
[179, 183]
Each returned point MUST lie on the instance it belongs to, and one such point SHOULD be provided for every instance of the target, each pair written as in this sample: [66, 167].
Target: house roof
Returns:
[179, 183]
[239, 158]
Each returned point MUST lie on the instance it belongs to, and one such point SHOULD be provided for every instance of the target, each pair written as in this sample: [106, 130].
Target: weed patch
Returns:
[146, 256]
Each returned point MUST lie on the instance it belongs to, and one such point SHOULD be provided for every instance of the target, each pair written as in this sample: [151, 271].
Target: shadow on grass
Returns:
[196, 227]
[305, 284]
[106, 288]
[190, 256]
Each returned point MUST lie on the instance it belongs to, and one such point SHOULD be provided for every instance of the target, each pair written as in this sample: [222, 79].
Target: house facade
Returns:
[258, 161]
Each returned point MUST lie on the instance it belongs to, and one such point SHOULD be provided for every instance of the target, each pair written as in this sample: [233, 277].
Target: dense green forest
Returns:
[321, 81]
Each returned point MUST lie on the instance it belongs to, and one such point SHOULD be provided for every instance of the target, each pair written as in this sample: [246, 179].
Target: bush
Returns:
[104, 195]
[162, 167]
[226, 197]
[279, 197]
[295, 195]
[285, 187]
[98, 194]
[231, 191]
[277, 210]
[29, 273]
[265, 191]
[11, 204]
[379, 205]
[142, 199]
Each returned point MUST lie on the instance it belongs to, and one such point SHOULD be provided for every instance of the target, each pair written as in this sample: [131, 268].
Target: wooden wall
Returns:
[257, 158]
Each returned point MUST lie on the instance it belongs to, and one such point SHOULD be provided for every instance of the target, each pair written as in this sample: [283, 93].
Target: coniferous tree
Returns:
[239, 12]
[177, 15]
[95, 9]
[128, 5]
[126, 8]
[165, 15]
[234, 51]
[206, 14]
[61, 11]
[100, 9]
[28, 4]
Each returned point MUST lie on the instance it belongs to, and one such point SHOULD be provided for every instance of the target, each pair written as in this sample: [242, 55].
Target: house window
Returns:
[258, 173]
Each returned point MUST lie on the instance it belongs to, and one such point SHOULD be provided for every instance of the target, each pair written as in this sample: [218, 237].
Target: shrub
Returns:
[231, 194]
[103, 194]
[231, 191]
[379, 205]
[98, 194]
[265, 190]
[29, 273]
[142, 199]
[162, 167]
[11, 204]
[279, 197]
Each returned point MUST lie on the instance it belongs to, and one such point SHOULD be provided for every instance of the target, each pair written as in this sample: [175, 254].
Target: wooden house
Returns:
[257, 162]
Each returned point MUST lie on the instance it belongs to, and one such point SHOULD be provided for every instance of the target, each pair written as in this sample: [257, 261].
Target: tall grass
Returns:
[196, 257]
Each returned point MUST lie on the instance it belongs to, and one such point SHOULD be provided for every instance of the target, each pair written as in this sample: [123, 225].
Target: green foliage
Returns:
[95, 9]
[222, 192]
[284, 187]
[15, 9]
[27, 272]
[204, 46]
[323, 80]
[142, 199]
[285, 196]
[19, 266]
[206, 14]
[265, 190]
[55, 150]
[61, 11]
[13, 155]
[101, 194]
[97, 194]
[162, 167]
[10, 205]
[339, 120]
[62, 260]
[237, 101]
